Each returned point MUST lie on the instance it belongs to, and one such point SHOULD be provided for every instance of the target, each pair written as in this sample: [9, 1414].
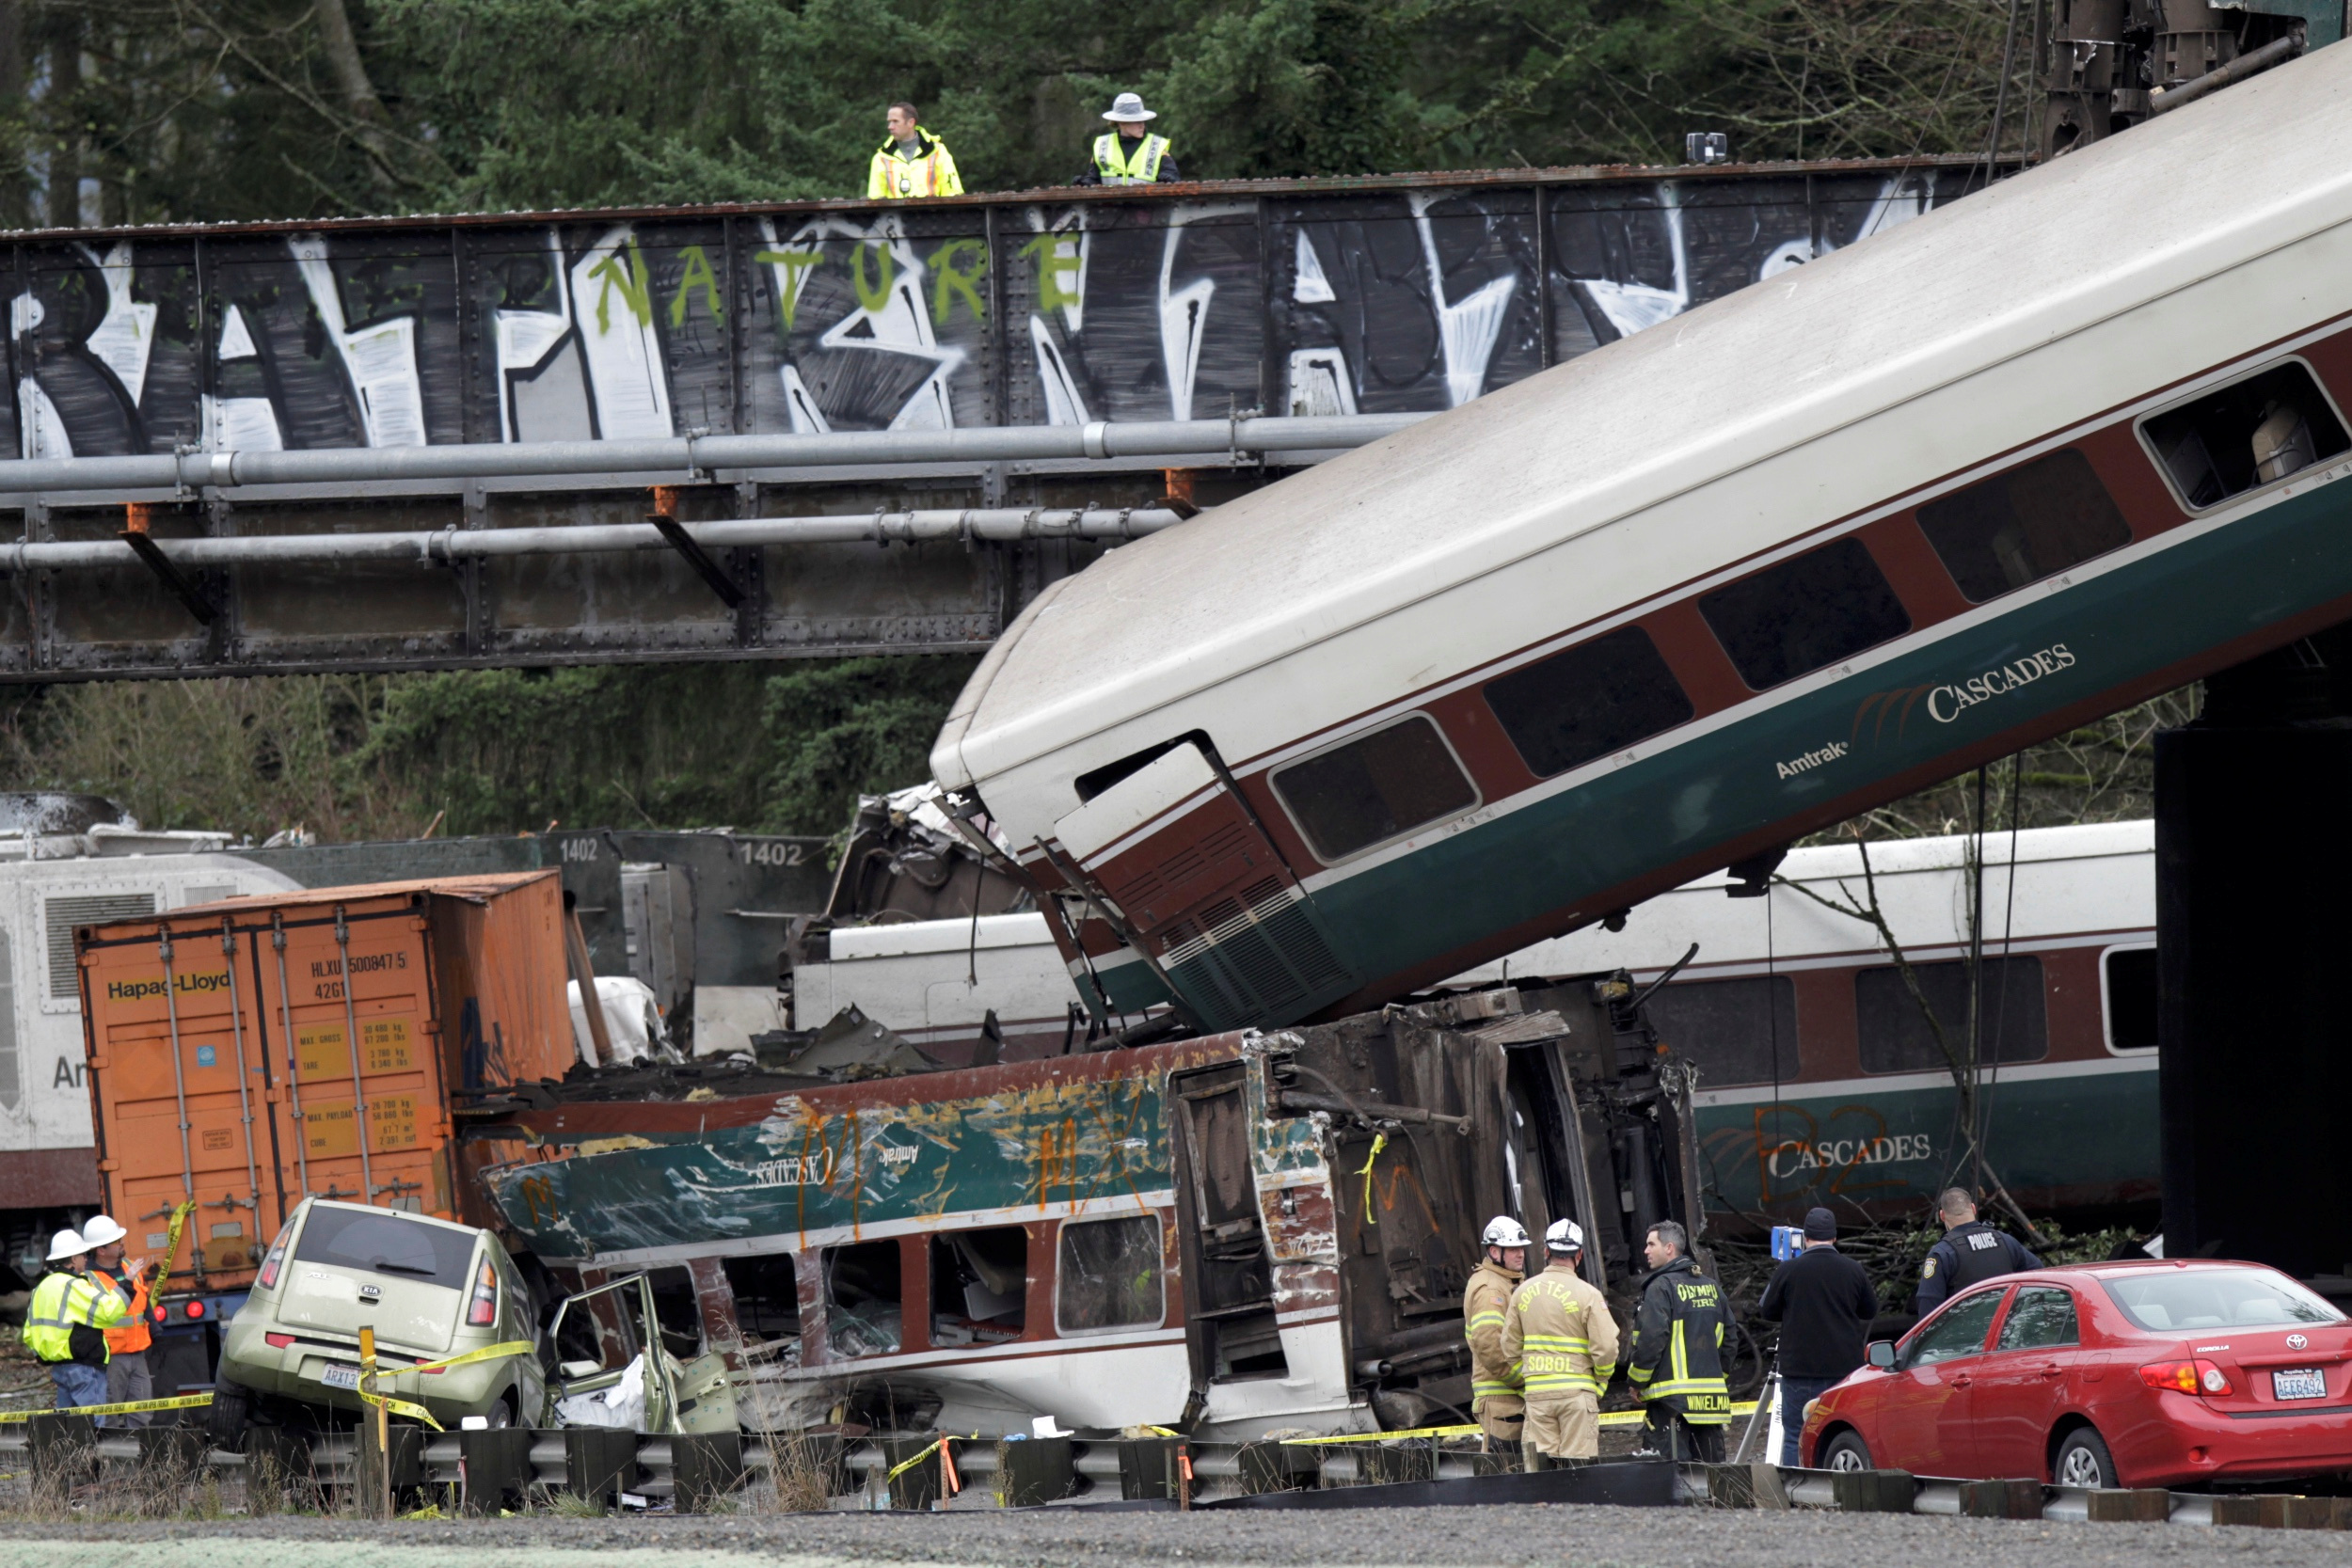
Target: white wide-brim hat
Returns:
[1128, 107]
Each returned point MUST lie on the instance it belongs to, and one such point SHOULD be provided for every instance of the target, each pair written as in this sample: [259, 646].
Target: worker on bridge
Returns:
[1128, 154]
[66, 1322]
[1560, 1332]
[1678, 1358]
[911, 160]
[128, 1377]
[1970, 1253]
[1486, 1301]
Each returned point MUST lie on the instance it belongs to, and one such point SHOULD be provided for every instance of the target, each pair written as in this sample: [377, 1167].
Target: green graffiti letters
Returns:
[796, 264]
[636, 293]
[874, 296]
[958, 278]
[697, 270]
[1052, 265]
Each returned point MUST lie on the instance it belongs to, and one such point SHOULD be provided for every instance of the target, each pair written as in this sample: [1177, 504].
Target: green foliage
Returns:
[856, 726]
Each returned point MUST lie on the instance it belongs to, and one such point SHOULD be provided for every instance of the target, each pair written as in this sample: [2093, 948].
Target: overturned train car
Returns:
[1230, 1234]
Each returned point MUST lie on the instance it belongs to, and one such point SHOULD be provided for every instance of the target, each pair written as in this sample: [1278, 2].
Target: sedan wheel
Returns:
[1847, 1451]
[501, 1413]
[2083, 1460]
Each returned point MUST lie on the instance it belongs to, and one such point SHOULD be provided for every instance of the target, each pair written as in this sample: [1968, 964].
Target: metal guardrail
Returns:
[1220, 1471]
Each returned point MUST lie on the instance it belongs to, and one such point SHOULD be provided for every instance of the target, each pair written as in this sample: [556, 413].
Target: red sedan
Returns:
[2166, 1374]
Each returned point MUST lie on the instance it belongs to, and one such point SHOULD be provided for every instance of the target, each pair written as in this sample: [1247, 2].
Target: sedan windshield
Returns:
[387, 1243]
[2171, 1300]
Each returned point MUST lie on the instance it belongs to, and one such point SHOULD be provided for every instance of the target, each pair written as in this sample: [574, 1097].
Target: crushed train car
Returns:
[1232, 1234]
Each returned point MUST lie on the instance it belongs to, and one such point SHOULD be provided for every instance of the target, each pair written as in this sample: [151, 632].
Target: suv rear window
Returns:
[2169, 1300]
[387, 1243]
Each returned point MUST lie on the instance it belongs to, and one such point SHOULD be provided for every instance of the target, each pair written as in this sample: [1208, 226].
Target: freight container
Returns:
[221, 1065]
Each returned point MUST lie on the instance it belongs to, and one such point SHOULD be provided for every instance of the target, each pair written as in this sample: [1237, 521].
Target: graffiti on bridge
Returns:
[817, 319]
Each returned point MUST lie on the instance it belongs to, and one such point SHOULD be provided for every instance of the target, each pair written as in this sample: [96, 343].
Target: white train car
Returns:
[2035, 456]
[1823, 1080]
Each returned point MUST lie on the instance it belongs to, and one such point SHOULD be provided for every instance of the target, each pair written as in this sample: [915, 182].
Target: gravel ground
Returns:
[1589, 1537]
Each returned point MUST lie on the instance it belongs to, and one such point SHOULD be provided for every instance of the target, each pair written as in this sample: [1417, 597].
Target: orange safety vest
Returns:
[132, 1333]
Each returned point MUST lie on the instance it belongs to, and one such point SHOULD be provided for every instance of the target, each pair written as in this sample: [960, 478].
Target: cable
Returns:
[2009, 912]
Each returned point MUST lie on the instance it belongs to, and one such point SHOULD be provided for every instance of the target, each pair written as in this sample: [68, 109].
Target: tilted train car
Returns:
[1234, 1233]
[2041, 454]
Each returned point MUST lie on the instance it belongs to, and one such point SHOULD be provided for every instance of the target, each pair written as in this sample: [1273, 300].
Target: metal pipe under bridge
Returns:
[766, 431]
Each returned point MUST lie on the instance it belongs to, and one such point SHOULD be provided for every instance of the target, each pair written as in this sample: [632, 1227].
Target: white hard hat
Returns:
[102, 1232]
[1503, 1230]
[1128, 107]
[1564, 1236]
[67, 1244]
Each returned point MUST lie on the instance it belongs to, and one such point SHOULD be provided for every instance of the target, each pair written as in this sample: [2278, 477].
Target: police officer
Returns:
[128, 1377]
[1494, 1376]
[1128, 154]
[1970, 1253]
[911, 160]
[1678, 1359]
[66, 1322]
[1566, 1342]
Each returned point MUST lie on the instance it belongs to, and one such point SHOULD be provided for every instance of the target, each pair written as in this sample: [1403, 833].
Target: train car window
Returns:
[1375, 787]
[2019, 526]
[1588, 701]
[677, 1312]
[1809, 610]
[979, 1285]
[766, 1294]
[1730, 1028]
[1109, 1276]
[2129, 979]
[2246, 435]
[1898, 1036]
[864, 1315]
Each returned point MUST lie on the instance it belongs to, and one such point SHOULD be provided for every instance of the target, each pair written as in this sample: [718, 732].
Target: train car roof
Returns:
[2050, 253]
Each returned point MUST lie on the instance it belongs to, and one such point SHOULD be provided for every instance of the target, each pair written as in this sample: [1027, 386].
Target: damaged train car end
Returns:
[1230, 1235]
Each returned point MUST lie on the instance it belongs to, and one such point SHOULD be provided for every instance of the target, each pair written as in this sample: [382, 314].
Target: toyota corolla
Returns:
[2164, 1373]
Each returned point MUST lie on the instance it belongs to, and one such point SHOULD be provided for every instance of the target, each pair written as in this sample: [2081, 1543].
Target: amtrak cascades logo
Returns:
[1811, 760]
[1948, 703]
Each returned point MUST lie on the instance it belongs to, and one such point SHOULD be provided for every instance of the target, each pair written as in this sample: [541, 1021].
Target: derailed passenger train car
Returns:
[1230, 1234]
[2068, 442]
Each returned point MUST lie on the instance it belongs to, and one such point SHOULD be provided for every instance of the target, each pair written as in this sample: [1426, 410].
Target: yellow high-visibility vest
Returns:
[61, 1303]
[930, 172]
[1120, 166]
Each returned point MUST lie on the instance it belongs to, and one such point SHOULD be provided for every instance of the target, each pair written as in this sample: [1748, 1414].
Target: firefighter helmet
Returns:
[1564, 1236]
[1504, 1231]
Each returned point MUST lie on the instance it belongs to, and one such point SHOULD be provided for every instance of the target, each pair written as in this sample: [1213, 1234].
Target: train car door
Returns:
[1229, 1282]
[1181, 859]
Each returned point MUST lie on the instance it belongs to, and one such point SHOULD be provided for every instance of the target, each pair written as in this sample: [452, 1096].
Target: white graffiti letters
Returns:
[1948, 703]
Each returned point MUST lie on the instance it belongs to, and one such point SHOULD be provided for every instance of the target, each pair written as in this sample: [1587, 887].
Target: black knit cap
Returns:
[1820, 1226]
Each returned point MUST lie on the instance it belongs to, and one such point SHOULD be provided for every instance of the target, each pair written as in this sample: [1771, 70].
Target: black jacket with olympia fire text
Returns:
[1678, 1356]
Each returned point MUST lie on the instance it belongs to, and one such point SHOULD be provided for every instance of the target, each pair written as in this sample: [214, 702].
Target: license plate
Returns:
[2309, 1384]
[347, 1378]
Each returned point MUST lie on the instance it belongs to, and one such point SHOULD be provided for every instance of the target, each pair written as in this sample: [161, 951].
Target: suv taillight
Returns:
[270, 1265]
[2200, 1376]
[484, 1308]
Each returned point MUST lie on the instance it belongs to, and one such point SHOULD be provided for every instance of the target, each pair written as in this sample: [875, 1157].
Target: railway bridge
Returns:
[766, 431]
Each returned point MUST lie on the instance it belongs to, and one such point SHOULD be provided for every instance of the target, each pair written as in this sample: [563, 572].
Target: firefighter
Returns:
[1970, 1253]
[128, 1377]
[1678, 1359]
[66, 1322]
[911, 160]
[1494, 1376]
[1128, 154]
[1560, 1333]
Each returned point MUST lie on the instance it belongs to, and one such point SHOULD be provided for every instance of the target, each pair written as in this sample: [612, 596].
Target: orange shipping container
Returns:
[221, 1068]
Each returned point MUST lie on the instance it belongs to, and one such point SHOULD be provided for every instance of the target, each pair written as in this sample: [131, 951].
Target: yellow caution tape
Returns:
[1379, 1142]
[905, 1465]
[182, 1402]
[171, 1243]
[418, 1412]
[1385, 1436]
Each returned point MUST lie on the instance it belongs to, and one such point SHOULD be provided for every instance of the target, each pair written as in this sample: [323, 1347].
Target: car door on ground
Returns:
[1925, 1418]
[2021, 1387]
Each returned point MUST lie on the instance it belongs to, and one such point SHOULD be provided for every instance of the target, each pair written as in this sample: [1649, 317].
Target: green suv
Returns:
[430, 1289]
